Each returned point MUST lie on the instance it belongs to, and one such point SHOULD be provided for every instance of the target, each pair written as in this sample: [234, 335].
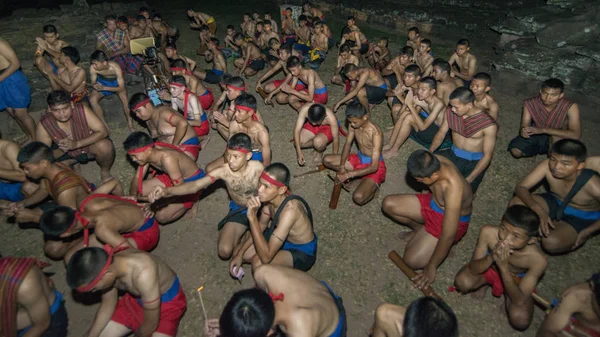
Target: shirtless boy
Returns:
[282, 233]
[241, 176]
[508, 259]
[473, 136]
[423, 57]
[46, 57]
[379, 55]
[192, 84]
[370, 88]
[214, 75]
[75, 133]
[438, 219]
[414, 38]
[187, 102]
[315, 128]
[312, 11]
[266, 35]
[319, 45]
[421, 121]
[15, 94]
[251, 61]
[446, 85]
[368, 164]
[351, 33]
[345, 57]
[288, 28]
[570, 210]
[284, 54]
[426, 316]
[302, 35]
[160, 30]
[166, 125]
[232, 89]
[481, 85]
[140, 30]
[201, 19]
[404, 91]
[153, 301]
[463, 62]
[31, 306]
[14, 185]
[175, 169]
[284, 299]
[230, 49]
[314, 89]
[546, 118]
[248, 27]
[173, 55]
[578, 311]
[70, 77]
[106, 78]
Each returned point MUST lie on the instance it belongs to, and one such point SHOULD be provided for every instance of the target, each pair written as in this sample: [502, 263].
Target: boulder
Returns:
[528, 57]
[565, 3]
[574, 31]
[572, 69]
[526, 21]
[591, 82]
[591, 50]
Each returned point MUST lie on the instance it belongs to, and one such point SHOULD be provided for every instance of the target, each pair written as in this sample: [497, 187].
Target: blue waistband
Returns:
[58, 299]
[309, 248]
[587, 215]
[198, 175]
[383, 86]
[301, 83]
[206, 92]
[256, 155]
[149, 222]
[107, 82]
[339, 327]
[464, 154]
[217, 72]
[364, 159]
[203, 118]
[321, 90]
[424, 114]
[234, 207]
[191, 141]
[434, 206]
[169, 295]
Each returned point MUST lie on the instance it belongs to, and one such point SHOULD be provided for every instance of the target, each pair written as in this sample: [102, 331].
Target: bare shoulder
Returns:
[31, 281]
[256, 166]
[489, 234]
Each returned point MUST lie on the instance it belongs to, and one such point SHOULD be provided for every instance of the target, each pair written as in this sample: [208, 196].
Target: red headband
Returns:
[111, 251]
[177, 69]
[175, 84]
[276, 297]
[243, 108]
[239, 148]
[236, 88]
[140, 104]
[140, 149]
[264, 176]
[84, 222]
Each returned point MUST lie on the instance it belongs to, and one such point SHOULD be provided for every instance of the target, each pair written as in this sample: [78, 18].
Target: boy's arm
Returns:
[246, 54]
[519, 294]
[75, 82]
[522, 191]
[481, 260]
[31, 297]
[95, 125]
[493, 110]
[133, 187]
[574, 127]
[195, 186]
[93, 76]
[106, 232]
[196, 112]
[361, 83]
[438, 139]
[297, 129]
[268, 74]
[346, 148]
[180, 126]
[335, 131]
[9, 54]
[265, 142]
[147, 285]
[559, 317]
[266, 251]
[377, 140]
[489, 142]
[15, 174]
[303, 95]
[105, 312]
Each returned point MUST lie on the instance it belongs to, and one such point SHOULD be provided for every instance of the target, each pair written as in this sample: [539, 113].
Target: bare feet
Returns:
[351, 184]
[479, 294]
[390, 154]
[318, 159]
[191, 213]
[406, 236]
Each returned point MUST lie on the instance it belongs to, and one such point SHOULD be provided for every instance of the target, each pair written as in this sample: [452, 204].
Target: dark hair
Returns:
[355, 110]
[123, 19]
[71, 52]
[110, 17]
[35, 152]
[249, 313]
[230, 27]
[144, 9]
[430, 81]
[140, 18]
[56, 221]
[318, 23]
[178, 79]
[246, 99]
[171, 46]
[236, 81]
[302, 18]
[293, 61]
[422, 164]
[386, 39]
[553, 83]
[464, 95]
[463, 42]
[413, 69]
[85, 265]
[426, 41]
[259, 23]
[267, 22]
[273, 41]
[570, 148]
[351, 17]
[345, 48]
[58, 97]
[413, 29]
[483, 77]
[316, 113]
[98, 56]
[178, 63]
[267, 13]
[442, 64]
[136, 99]
[203, 28]
[240, 140]
[346, 30]
[523, 217]
[238, 36]
[137, 140]
[350, 67]
[427, 317]
[156, 16]
[50, 29]
[406, 50]
[280, 172]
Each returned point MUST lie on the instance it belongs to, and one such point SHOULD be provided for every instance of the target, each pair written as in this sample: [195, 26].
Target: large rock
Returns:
[526, 21]
[575, 31]
[572, 69]
[591, 83]
[592, 50]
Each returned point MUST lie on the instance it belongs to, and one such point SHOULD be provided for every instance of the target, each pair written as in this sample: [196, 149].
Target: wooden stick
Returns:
[335, 194]
[410, 273]
[319, 168]
[542, 302]
[202, 303]
[262, 92]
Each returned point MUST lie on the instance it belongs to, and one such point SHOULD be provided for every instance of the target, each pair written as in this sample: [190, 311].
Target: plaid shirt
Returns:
[112, 43]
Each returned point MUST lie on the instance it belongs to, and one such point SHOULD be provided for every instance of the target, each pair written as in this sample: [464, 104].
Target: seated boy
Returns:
[370, 88]
[345, 57]
[319, 45]
[463, 62]
[368, 164]
[508, 259]
[14, 185]
[230, 50]
[71, 77]
[394, 70]
[251, 61]
[379, 55]
[446, 85]
[282, 233]
[192, 84]
[406, 90]
[481, 85]
[214, 75]
[184, 100]
[46, 57]
[316, 127]
[153, 300]
[423, 57]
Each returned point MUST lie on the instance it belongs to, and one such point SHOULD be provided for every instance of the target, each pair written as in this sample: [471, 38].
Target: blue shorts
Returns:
[59, 321]
[341, 329]
[15, 91]
[257, 155]
[11, 191]
[52, 64]
[107, 83]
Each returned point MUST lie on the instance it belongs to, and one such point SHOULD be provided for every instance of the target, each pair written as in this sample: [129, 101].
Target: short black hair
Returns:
[273, 41]
[430, 81]
[386, 39]
[178, 63]
[230, 27]
[136, 99]
[442, 64]
[238, 36]
[464, 95]
[249, 313]
[483, 77]
[203, 28]
[413, 29]
[58, 97]
[463, 42]
[236, 81]
[85, 265]
[110, 17]
[570, 148]
[350, 67]
[71, 52]
[351, 17]
[293, 62]
[553, 83]
[240, 140]
[156, 16]
[426, 41]
[140, 18]
[355, 110]
[345, 48]
[346, 30]
[267, 22]
[247, 100]
[259, 23]
[171, 46]
[123, 19]
[280, 172]
[35, 152]
[422, 164]
[318, 23]
[137, 140]
[178, 79]
[98, 56]
[428, 316]
[413, 69]
[56, 221]
[144, 9]
[522, 217]
[286, 47]
[50, 29]
[316, 113]
[302, 18]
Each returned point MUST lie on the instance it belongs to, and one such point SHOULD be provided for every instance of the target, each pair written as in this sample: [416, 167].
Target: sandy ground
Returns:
[353, 241]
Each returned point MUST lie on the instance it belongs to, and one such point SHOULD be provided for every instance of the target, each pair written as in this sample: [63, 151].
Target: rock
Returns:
[524, 22]
[107, 6]
[26, 12]
[565, 3]
[572, 69]
[528, 57]
[591, 50]
[591, 83]
[67, 8]
[575, 31]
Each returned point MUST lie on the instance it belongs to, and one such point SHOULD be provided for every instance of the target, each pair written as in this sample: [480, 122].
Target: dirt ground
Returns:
[353, 241]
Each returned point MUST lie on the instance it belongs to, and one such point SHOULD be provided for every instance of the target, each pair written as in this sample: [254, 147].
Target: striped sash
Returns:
[543, 118]
[79, 128]
[64, 180]
[470, 125]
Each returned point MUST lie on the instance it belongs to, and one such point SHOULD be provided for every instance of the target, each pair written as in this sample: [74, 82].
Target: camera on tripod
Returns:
[151, 56]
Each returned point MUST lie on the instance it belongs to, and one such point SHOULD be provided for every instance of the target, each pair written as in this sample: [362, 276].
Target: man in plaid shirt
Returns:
[115, 43]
